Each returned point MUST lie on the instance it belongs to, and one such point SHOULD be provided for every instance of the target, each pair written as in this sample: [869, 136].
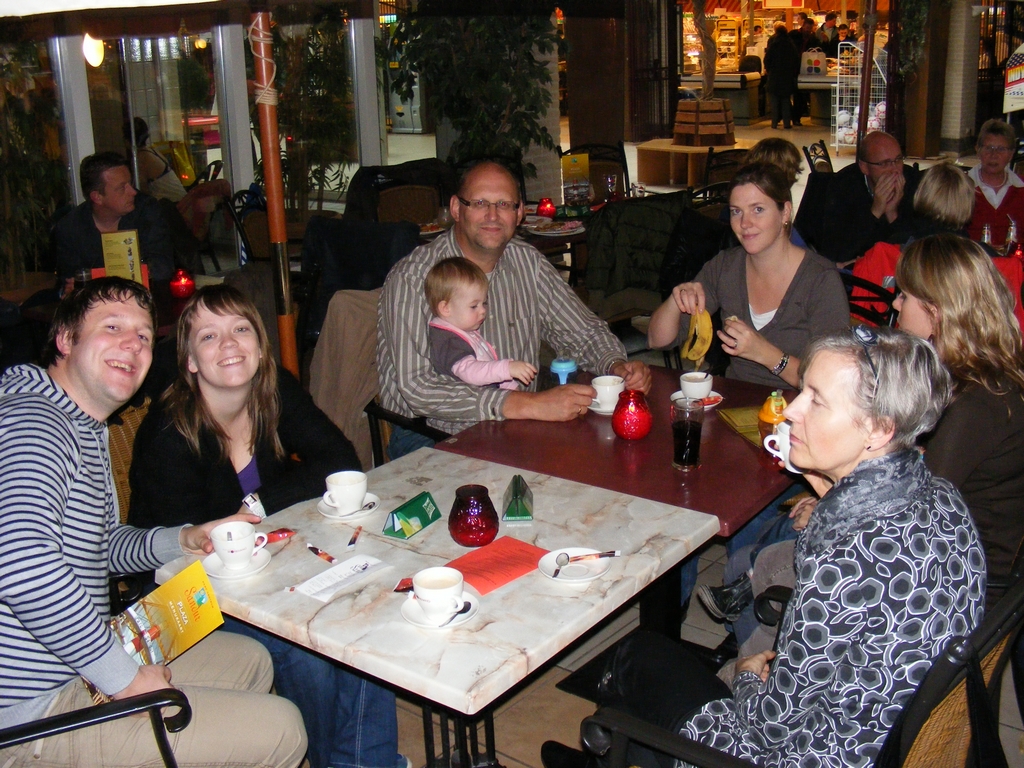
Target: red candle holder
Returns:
[182, 285]
[546, 208]
[632, 419]
[473, 520]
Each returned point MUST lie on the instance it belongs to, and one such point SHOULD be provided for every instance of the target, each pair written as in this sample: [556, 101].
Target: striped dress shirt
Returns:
[528, 302]
[59, 540]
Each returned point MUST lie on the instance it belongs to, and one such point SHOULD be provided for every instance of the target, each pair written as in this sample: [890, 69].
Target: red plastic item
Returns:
[473, 520]
[546, 208]
[182, 285]
[279, 535]
[632, 418]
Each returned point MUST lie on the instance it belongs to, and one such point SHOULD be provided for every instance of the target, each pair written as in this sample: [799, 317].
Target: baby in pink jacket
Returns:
[457, 294]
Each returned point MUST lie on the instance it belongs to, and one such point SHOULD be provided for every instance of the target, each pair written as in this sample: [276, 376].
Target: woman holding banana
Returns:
[774, 296]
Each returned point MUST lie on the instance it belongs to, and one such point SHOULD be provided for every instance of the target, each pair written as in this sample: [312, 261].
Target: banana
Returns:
[698, 338]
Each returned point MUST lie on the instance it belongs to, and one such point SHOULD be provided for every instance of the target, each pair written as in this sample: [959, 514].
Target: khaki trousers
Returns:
[235, 722]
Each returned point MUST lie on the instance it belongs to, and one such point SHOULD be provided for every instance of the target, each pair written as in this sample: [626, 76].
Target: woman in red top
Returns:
[999, 192]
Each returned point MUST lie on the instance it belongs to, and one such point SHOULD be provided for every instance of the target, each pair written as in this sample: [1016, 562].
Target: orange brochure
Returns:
[498, 563]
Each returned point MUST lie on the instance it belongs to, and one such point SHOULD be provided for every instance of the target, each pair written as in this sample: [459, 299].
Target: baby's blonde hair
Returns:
[445, 277]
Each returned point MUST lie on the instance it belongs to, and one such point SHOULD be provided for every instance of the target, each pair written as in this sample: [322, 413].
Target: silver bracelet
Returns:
[778, 369]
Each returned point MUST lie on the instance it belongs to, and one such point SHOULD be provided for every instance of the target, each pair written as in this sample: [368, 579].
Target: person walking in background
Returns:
[782, 62]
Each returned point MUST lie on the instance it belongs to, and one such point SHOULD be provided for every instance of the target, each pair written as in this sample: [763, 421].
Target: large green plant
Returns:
[316, 113]
[484, 76]
[33, 179]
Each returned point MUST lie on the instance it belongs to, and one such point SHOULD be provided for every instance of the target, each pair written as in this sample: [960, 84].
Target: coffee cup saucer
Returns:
[578, 573]
[711, 401]
[413, 613]
[370, 503]
[216, 569]
[600, 410]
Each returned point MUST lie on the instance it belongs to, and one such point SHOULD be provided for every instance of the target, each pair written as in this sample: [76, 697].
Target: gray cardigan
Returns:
[814, 304]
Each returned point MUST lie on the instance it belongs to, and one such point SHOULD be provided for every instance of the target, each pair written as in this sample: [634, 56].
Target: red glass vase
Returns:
[473, 520]
[632, 418]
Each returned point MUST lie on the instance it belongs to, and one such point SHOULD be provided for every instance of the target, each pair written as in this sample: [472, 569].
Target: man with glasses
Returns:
[529, 303]
[842, 215]
[998, 191]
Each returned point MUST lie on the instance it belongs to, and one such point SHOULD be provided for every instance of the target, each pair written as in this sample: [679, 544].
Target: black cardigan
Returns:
[171, 485]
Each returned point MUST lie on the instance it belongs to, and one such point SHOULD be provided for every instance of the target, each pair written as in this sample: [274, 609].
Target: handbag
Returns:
[812, 62]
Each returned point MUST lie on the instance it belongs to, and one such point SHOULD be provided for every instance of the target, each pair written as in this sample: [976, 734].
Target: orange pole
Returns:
[266, 102]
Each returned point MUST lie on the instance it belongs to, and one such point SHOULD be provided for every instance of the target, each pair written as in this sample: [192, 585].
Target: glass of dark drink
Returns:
[687, 418]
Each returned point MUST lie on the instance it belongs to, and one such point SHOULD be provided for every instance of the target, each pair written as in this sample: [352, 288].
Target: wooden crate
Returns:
[704, 123]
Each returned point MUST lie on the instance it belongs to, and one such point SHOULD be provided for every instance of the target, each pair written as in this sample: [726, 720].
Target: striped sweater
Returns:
[528, 302]
[59, 540]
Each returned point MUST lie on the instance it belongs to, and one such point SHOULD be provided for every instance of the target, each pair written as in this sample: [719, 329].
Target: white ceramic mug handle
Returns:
[261, 542]
[776, 452]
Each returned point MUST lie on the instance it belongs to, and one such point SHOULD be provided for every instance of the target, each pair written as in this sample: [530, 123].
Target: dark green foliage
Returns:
[33, 179]
[484, 76]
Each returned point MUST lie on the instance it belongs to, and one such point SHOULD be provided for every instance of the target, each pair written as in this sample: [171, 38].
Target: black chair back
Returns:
[876, 307]
[818, 159]
[605, 160]
[723, 164]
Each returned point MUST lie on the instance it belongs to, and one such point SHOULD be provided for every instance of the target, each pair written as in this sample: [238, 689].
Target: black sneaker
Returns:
[727, 602]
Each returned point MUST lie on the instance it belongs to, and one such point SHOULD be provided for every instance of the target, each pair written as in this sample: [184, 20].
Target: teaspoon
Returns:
[562, 559]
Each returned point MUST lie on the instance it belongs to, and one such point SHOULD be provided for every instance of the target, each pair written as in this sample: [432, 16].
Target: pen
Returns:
[321, 554]
[355, 538]
[596, 556]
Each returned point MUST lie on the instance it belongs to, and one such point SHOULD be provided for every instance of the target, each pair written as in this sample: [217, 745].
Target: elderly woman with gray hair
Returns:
[889, 568]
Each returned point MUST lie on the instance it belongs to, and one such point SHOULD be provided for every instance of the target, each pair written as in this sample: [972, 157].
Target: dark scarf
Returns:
[876, 489]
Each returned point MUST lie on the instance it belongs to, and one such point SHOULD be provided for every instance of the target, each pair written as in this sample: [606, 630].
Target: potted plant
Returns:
[33, 179]
[483, 74]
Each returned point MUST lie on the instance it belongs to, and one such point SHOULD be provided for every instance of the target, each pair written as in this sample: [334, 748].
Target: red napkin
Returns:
[498, 563]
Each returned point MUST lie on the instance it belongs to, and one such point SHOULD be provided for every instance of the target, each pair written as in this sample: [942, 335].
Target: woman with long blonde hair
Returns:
[952, 294]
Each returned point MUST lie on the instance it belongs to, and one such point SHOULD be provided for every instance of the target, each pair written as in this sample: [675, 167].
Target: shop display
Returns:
[846, 94]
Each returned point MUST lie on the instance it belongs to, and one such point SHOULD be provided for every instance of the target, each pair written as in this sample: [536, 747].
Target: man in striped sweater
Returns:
[528, 302]
[59, 541]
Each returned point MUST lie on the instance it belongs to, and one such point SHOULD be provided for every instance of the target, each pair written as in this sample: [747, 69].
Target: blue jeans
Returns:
[350, 722]
[761, 530]
[405, 441]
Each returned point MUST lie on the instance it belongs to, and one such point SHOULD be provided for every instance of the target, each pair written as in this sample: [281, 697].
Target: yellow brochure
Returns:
[121, 256]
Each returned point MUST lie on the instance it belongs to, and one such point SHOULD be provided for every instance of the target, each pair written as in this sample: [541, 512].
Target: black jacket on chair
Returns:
[171, 485]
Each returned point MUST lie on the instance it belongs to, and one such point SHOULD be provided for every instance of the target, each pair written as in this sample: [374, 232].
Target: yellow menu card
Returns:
[121, 256]
[170, 619]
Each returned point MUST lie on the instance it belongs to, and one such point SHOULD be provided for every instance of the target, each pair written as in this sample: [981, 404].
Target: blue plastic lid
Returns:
[563, 365]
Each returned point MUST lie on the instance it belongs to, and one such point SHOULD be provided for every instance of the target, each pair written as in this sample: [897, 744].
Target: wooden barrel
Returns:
[704, 123]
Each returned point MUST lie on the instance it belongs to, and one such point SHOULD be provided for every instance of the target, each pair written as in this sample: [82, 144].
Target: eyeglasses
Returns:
[895, 162]
[867, 338]
[502, 206]
[995, 149]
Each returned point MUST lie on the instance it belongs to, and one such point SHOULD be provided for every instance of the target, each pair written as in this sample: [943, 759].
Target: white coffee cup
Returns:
[780, 449]
[235, 543]
[345, 491]
[608, 389]
[438, 592]
[695, 384]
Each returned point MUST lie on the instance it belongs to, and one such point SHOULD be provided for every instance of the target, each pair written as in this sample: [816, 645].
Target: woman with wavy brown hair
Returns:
[232, 426]
[952, 294]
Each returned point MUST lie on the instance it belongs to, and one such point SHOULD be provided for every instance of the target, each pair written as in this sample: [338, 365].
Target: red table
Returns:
[734, 481]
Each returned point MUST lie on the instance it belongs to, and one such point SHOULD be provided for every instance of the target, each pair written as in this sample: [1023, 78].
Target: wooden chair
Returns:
[408, 202]
[605, 160]
[818, 159]
[722, 165]
[951, 717]
[146, 703]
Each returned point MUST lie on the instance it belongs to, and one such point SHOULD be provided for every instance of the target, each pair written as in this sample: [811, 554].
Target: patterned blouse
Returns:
[889, 568]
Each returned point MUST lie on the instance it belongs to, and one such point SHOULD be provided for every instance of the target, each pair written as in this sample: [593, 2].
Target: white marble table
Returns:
[519, 627]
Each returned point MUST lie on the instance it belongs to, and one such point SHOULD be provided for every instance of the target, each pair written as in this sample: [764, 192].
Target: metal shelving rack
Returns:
[846, 95]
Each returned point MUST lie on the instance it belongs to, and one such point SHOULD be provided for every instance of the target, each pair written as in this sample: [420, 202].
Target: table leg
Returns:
[467, 741]
[660, 609]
